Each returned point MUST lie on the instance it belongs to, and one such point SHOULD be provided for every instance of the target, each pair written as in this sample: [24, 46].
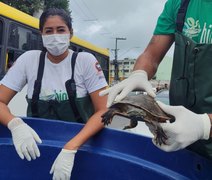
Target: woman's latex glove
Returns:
[187, 128]
[24, 139]
[137, 80]
[63, 165]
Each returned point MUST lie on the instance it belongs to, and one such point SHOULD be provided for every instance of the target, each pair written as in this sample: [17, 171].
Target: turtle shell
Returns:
[148, 104]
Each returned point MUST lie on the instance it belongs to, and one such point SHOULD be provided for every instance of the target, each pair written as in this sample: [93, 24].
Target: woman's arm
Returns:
[6, 95]
[93, 125]
[22, 134]
[64, 162]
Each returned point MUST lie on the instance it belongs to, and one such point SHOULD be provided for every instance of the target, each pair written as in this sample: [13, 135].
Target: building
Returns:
[126, 65]
[163, 74]
[164, 69]
[125, 68]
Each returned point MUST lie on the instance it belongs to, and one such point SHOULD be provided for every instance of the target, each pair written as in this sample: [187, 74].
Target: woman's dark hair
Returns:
[55, 12]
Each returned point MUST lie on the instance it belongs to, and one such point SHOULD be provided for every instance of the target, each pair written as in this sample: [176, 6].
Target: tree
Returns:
[27, 6]
[32, 6]
[63, 4]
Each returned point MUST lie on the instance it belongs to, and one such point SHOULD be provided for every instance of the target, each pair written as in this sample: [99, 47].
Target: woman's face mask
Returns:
[56, 44]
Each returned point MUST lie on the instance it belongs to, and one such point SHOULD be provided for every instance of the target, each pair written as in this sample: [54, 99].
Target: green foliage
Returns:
[31, 6]
[63, 4]
[27, 6]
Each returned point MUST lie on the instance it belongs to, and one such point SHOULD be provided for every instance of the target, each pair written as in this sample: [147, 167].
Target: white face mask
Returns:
[56, 44]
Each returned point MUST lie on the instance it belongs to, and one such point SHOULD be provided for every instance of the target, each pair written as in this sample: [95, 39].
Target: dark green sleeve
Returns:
[166, 21]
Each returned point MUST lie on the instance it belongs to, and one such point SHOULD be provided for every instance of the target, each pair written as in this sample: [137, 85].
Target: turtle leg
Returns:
[133, 123]
[157, 131]
[134, 117]
[108, 116]
[160, 135]
[116, 109]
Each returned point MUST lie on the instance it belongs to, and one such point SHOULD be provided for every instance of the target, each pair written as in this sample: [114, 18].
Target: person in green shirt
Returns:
[188, 24]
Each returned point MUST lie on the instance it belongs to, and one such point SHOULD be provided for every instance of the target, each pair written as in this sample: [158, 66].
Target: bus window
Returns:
[80, 50]
[74, 48]
[1, 32]
[12, 56]
[23, 38]
[34, 41]
[13, 36]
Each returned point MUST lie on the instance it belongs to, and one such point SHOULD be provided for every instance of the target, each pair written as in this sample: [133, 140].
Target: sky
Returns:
[101, 22]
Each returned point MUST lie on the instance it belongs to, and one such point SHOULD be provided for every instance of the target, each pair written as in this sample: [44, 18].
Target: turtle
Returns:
[140, 107]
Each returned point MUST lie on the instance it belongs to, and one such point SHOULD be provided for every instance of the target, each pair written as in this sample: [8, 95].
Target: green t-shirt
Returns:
[198, 20]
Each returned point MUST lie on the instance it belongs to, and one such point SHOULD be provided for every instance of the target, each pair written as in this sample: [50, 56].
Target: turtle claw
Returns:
[161, 137]
[160, 140]
[107, 118]
[159, 134]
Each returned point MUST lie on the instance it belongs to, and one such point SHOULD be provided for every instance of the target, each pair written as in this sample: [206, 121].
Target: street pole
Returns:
[115, 62]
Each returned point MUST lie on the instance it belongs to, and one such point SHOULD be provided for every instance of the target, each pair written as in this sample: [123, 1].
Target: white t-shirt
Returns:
[87, 74]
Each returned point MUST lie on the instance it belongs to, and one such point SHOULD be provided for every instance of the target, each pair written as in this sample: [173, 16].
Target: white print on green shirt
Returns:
[206, 36]
[193, 29]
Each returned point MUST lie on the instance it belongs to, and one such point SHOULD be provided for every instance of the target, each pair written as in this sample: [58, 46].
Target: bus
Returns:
[19, 32]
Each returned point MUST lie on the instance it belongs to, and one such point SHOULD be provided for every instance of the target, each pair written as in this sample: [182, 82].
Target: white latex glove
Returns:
[187, 128]
[63, 165]
[137, 80]
[24, 139]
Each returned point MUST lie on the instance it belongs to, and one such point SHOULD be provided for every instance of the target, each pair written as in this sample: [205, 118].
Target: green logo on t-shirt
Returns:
[60, 96]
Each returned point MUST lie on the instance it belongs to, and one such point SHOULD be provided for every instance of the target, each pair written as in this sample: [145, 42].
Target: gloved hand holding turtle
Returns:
[187, 128]
[137, 80]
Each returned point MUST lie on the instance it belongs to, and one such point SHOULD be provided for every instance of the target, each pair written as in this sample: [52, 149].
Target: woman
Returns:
[56, 29]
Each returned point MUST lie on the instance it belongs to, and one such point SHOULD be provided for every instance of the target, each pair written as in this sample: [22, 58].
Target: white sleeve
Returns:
[93, 75]
[16, 77]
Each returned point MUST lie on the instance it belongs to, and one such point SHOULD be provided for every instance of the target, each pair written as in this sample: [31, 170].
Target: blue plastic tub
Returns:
[110, 155]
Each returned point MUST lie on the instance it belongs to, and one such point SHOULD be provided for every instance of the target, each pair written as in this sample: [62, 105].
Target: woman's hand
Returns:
[63, 165]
